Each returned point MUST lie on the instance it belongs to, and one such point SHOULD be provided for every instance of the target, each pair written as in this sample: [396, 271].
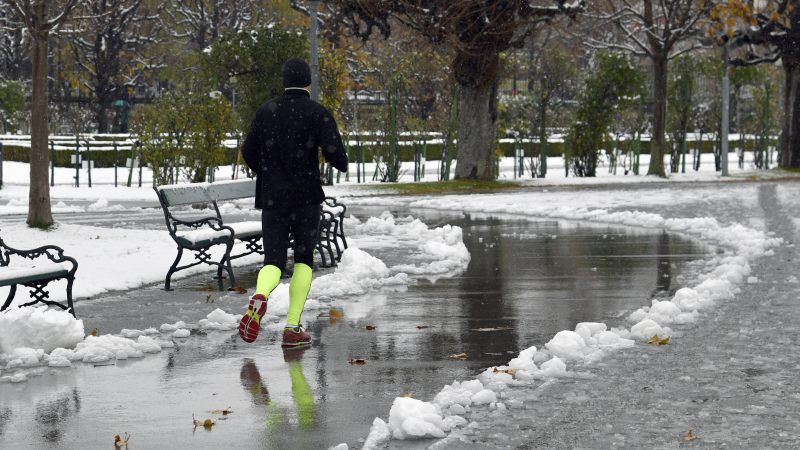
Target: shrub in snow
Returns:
[40, 328]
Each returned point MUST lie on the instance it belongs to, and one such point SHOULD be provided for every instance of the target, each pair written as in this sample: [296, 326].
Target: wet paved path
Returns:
[732, 378]
[533, 278]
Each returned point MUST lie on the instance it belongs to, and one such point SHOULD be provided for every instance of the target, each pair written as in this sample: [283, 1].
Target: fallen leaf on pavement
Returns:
[370, 327]
[207, 424]
[406, 395]
[240, 290]
[458, 356]
[357, 361]
[120, 442]
[335, 314]
[656, 340]
[223, 412]
[508, 371]
[690, 436]
[94, 332]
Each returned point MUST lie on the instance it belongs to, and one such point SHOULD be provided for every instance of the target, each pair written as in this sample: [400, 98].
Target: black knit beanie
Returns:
[296, 73]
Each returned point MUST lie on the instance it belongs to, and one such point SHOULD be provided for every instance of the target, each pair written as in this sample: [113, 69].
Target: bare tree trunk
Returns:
[476, 120]
[101, 108]
[790, 144]
[39, 213]
[476, 75]
[657, 143]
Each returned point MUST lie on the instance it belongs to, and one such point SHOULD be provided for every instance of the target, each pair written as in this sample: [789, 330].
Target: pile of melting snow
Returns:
[416, 419]
[438, 251]
[33, 337]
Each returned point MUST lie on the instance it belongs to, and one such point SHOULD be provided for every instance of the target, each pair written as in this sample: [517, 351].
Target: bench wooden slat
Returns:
[21, 275]
[232, 190]
[174, 195]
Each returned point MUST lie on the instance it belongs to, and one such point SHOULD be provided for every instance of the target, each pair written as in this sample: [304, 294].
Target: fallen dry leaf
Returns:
[357, 361]
[208, 299]
[406, 395]
[223, 412]
[492, 329]
[94, 332]
[207, 424]
[240, 290]
[335, 315]
[458, 356]
[690, 436]
[656, 340]
[508, 371]
[120, 442]
[370, 327]
[422, 327]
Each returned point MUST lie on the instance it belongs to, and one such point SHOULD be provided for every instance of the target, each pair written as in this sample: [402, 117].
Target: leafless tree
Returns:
[478, 31]
[14, 42]
[202, 22]
[658, 30]
[110, 49]
[41, 18]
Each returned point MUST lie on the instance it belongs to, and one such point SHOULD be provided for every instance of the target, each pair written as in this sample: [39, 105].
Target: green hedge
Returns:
[106, 158]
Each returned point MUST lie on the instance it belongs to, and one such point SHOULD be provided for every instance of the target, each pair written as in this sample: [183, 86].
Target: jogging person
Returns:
[282, 148]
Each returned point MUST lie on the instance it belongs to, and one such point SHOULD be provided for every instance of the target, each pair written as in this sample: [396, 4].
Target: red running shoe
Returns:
[250, 324]
[295, 337]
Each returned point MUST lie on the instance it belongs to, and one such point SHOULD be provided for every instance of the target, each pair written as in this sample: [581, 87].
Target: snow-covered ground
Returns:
[570, 353]
[14, 195]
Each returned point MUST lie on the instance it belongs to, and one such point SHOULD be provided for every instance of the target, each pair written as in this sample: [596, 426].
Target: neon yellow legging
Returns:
[268, 278]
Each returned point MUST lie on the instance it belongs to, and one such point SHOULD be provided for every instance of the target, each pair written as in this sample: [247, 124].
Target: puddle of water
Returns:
[530, 279]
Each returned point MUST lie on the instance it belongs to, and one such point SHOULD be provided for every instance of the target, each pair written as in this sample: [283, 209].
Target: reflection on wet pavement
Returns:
[526, 281]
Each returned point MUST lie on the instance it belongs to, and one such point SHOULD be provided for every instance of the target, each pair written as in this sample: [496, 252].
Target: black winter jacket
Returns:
[282, 149]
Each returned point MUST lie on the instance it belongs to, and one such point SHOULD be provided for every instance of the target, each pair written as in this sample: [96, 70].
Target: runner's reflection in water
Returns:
[301, 392]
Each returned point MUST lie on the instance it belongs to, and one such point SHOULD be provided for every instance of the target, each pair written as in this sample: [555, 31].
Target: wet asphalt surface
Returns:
[529, 278]
[731, 378]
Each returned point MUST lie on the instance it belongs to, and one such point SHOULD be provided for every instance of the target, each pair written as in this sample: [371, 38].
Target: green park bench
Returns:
[196, 235]
[199, 235]
[35, 269]
[330, 231]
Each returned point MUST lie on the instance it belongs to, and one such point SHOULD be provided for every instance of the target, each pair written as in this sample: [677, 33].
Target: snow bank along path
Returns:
[36, 336]
[571, 349]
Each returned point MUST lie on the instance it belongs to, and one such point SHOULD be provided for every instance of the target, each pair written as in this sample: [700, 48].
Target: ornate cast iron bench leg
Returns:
[11, 292]
[172, 269]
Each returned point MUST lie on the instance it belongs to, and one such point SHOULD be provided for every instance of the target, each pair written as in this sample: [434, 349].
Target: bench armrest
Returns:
[332, 202]
[214, 223]
[52, 252]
